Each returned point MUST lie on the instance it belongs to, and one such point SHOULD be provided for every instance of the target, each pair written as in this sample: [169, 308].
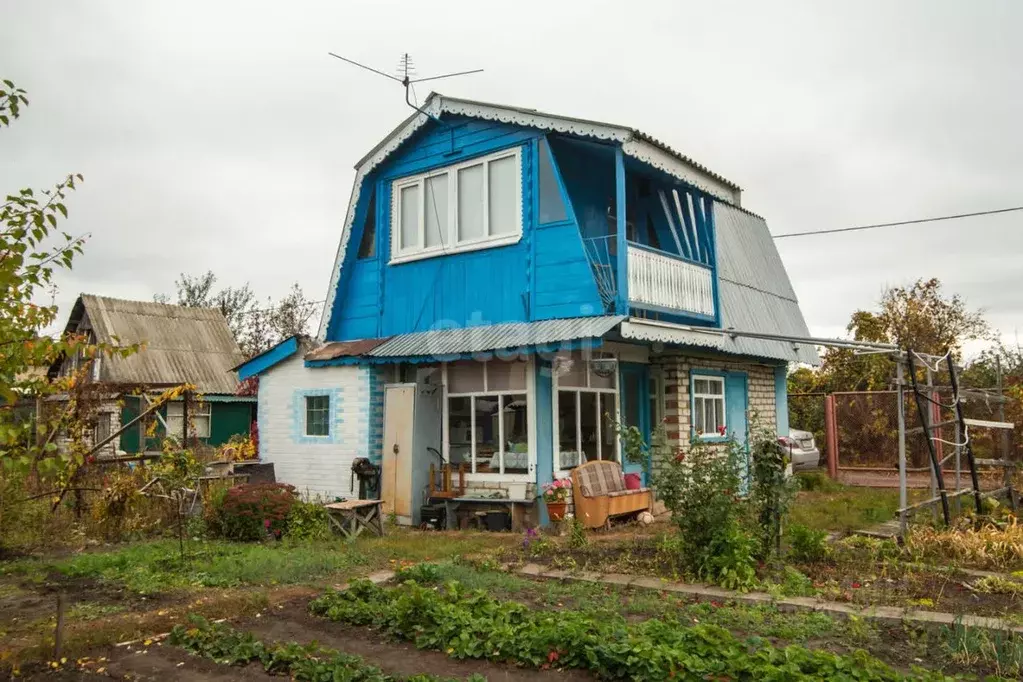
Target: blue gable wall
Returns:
[544, 275]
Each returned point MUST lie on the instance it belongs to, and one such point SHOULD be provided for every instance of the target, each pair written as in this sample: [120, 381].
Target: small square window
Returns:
[317, 415]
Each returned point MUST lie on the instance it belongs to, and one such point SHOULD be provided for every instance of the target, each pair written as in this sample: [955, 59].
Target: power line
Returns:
[902, 222]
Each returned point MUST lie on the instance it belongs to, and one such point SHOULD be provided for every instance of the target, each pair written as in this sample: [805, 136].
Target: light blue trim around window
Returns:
[298, 434]
[721, 374]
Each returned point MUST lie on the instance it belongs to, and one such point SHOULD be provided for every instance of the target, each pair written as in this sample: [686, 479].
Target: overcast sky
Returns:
[217, 135]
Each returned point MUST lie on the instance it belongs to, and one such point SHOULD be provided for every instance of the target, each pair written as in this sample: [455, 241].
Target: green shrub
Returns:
[254, 510]
[701, 488]
[808, 545]
[308, 521]
[816, 481]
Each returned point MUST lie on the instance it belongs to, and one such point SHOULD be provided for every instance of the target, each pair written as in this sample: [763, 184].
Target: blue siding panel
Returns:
[781, 399]
[267, 359]
[545, 275]
[544, 414]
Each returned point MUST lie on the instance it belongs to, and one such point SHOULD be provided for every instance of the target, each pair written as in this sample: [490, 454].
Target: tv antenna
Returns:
[406, 69]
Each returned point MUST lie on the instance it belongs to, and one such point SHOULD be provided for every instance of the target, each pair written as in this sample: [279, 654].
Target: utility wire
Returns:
[896, 224]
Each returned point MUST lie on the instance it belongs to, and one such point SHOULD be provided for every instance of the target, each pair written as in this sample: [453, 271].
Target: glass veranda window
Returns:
[488, 416]
[587, 404]
[465, 206]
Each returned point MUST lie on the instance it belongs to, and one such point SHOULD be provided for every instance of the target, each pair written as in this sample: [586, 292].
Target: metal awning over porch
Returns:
[446, 344]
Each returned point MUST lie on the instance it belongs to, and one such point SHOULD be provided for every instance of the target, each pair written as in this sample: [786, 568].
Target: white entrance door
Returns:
[396, 465]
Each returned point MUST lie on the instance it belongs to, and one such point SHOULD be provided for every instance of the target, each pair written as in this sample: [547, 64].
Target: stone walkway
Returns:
[892, 614]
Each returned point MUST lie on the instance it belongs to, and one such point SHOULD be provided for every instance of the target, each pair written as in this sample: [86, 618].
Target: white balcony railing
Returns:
[664, 281]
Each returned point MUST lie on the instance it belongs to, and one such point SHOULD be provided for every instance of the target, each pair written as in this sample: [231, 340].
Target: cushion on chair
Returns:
[600, 478]
[623, 493]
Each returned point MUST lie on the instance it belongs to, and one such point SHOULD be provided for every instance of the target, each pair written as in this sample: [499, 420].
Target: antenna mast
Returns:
[407, 69]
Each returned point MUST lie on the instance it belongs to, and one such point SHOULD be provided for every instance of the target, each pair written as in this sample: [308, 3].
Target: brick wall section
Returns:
[760, 386]
[317, 467]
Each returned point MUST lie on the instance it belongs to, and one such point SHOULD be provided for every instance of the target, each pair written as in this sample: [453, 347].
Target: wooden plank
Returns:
[985, 424]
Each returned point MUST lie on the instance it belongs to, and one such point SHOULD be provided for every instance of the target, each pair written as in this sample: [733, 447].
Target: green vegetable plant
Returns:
[227, 646]
[808, 545]
[472, 625]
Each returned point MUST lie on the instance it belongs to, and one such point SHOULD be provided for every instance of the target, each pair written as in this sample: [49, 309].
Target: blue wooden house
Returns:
[506, 281]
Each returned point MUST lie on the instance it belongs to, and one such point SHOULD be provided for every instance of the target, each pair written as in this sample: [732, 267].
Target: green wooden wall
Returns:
[226, 420]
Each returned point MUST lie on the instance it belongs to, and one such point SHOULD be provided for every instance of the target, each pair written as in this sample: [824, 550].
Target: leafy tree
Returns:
[32, 250]
[198, 292]
[255, 329]
[271, 325]
[919, 316]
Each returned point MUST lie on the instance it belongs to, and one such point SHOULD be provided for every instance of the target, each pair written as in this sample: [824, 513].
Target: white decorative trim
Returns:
[535, 120]
[673, 166]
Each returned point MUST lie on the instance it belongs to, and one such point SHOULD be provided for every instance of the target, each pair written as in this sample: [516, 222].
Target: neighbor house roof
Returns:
[182, 345]
[634, 143]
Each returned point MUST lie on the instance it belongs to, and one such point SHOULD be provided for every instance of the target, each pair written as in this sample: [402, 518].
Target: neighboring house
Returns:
[182, 345]
[506, 278]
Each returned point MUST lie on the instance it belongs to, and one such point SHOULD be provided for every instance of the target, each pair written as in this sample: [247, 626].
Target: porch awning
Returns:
[445, 344]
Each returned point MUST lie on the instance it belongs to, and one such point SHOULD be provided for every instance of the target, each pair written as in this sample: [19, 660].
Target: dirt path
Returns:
[295, 624]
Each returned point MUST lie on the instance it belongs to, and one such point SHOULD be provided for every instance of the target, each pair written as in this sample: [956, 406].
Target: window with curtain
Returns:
[470, 205]
[488, 416]
[708, 406]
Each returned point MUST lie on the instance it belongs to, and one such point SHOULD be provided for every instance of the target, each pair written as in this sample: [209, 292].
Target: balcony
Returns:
[661, 281]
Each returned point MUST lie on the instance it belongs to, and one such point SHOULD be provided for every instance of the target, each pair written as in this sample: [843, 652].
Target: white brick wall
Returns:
[760, 387]
[316, 467]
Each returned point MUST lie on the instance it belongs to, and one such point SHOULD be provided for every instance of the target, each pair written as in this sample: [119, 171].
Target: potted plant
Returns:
[555, 496]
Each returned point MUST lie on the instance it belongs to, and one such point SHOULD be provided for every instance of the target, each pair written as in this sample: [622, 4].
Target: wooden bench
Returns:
[351, 517]
[599, 493]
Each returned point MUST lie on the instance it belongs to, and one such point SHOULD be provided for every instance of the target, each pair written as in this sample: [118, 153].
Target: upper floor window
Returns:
[472, 205]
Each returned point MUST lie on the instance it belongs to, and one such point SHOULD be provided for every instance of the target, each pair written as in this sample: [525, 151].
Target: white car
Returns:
[803, 451]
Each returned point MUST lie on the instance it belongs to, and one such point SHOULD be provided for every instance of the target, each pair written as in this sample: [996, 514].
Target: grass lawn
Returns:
[149, 568]
[835, 507]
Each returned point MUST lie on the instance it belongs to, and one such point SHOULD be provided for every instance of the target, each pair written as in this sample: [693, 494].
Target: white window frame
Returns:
[452, 245]
[556, 389]
[305, 415]
[530, 392]
[199, 412]
[713, 378]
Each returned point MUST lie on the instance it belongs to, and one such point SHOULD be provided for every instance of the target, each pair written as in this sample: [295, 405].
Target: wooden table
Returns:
[351, 517]
[516, 507]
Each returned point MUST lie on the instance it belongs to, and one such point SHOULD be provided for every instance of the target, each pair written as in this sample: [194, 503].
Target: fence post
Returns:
[831, 428]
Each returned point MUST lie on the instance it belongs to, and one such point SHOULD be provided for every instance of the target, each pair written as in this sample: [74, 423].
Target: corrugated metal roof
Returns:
[639, 134]
[447, 342]
[754, 292]
[340, 349]
[183, 345]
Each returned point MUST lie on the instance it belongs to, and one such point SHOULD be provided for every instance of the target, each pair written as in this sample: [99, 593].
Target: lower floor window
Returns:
[102, 432]
[709, 406]
[198, 414]
[586, 427]
[488, 416]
